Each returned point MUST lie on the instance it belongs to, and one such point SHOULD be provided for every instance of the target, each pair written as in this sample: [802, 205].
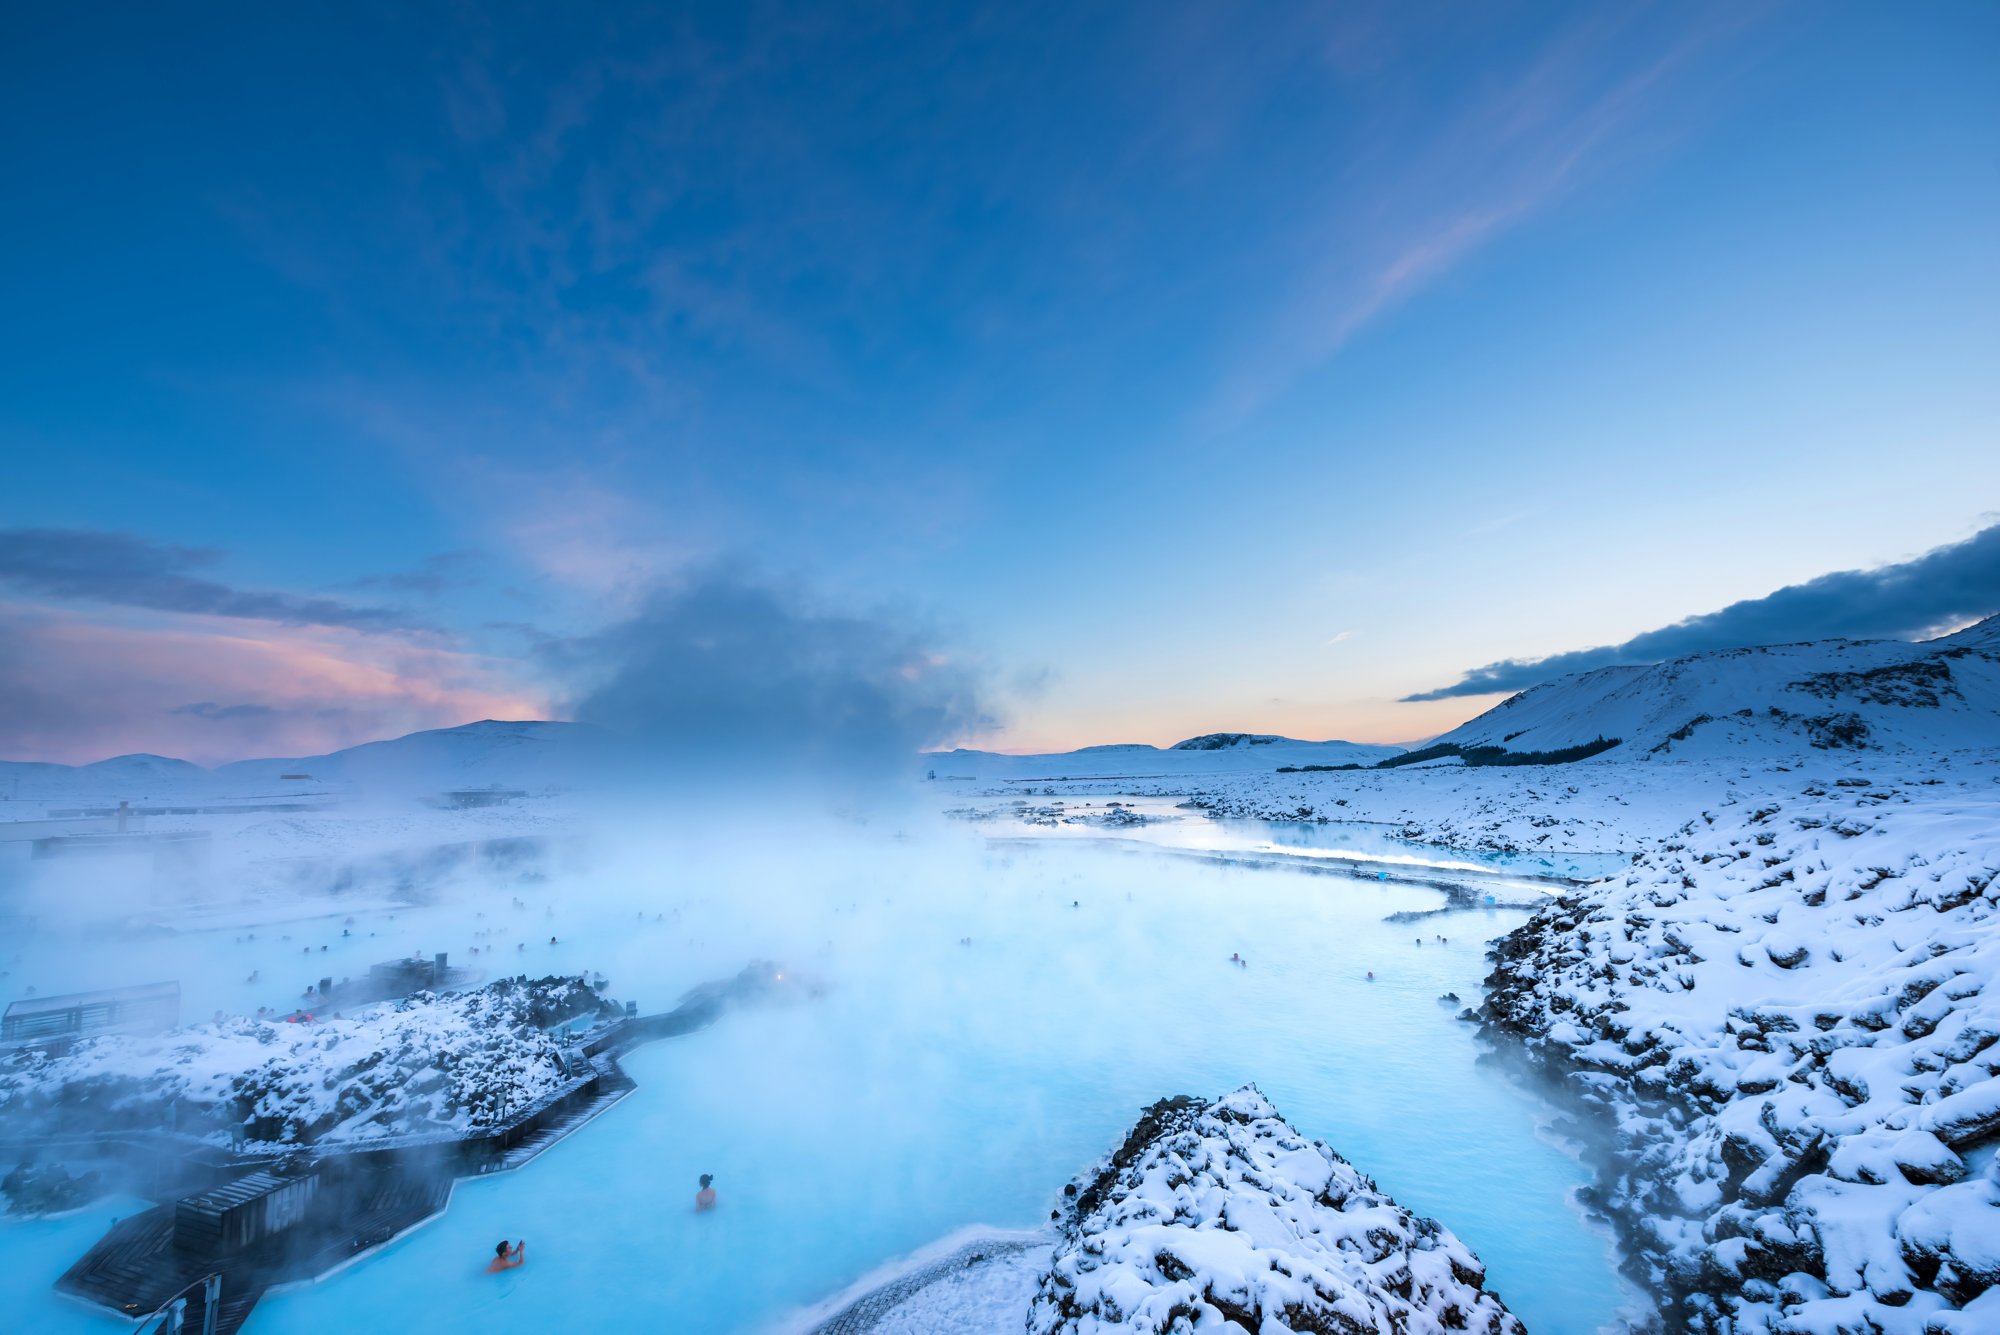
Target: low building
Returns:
[150, 1008]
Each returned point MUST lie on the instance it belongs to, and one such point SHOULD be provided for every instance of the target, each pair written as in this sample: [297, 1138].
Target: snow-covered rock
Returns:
[1219, 1217]
[1786, 1015]
[426, 1063]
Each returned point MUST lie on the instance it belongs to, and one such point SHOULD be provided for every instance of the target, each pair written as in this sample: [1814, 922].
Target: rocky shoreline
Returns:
[1218, 1211]
[1778, 1025]
[1212, 1214]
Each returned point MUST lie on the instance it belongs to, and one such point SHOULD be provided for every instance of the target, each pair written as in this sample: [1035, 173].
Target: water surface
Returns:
[938, 1084]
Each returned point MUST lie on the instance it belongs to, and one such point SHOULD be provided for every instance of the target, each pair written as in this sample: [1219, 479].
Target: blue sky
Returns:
[1183, 367]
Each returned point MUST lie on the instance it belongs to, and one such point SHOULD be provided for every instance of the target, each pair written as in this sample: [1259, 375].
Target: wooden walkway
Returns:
[612, 1086]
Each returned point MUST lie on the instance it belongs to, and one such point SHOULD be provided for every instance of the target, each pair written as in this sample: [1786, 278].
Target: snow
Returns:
[1220, 1217]
[972, 1281]
[1785, 1010]
[425, 1064]
[1940, 695]
[1778, 1023]
[1776, 1020]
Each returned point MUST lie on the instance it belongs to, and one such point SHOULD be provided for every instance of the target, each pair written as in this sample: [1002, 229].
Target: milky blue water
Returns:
[1172, 826]
[937, 1085]
[1375, 837]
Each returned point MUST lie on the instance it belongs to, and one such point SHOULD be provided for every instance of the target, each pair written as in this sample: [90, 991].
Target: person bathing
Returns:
[705, 1198]
[505, 1259]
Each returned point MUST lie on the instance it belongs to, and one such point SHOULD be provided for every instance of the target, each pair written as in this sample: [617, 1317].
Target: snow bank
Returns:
[1789, 1012]
[1220, 1217]
[425, 1064]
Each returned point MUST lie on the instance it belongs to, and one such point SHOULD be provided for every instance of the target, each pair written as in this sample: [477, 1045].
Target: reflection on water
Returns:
[939, 1084]
[1170, 823]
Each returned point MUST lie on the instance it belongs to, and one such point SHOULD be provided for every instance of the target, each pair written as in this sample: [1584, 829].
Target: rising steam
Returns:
[721, 675]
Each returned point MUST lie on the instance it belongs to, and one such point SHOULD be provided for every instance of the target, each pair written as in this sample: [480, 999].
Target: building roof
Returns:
[144, 992]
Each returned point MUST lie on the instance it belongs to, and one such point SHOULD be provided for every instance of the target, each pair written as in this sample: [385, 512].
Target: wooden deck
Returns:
[136, 1268]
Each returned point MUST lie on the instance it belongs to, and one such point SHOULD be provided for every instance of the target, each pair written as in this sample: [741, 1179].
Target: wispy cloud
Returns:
[126, 571]
[208, 709]
[1510, 154]
[1941, 589]
[429, 578]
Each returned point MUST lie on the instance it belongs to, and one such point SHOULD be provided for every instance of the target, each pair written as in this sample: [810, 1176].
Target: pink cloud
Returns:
[75, 689]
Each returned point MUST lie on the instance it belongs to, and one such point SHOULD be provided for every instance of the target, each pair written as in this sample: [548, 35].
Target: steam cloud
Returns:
[724, 673]
[1950, 584]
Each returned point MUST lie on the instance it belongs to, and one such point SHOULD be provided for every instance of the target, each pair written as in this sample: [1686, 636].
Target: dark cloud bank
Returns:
[1945, 586]
[721, 673]
[128, 571]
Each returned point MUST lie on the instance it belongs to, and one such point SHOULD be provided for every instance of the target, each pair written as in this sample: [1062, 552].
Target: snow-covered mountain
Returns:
[1879, 695]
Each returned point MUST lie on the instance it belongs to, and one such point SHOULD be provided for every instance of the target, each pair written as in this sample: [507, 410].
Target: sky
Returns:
[1145, 370]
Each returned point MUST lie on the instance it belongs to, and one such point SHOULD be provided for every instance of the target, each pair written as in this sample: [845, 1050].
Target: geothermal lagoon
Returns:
[991, 1002]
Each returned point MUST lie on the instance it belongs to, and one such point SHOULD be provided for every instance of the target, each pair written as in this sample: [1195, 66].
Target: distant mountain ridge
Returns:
[1892, 695]
[519, 753]
[1216, 752]
[534, 754]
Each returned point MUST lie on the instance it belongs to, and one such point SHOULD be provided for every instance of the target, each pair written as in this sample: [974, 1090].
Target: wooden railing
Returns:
[171, 1315]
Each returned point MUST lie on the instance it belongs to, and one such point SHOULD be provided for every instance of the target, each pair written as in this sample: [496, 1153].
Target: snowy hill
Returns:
[527, 754]
[143, 768]
[1878, 695]
[1979, 635]
[1234, 741]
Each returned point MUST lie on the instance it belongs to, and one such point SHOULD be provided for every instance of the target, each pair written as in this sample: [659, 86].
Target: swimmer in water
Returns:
[705, 1198]
[506, 1259]
[1371, 975]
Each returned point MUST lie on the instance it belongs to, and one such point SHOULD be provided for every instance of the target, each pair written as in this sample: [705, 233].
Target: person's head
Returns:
[707, 1179]
[500, 1247]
